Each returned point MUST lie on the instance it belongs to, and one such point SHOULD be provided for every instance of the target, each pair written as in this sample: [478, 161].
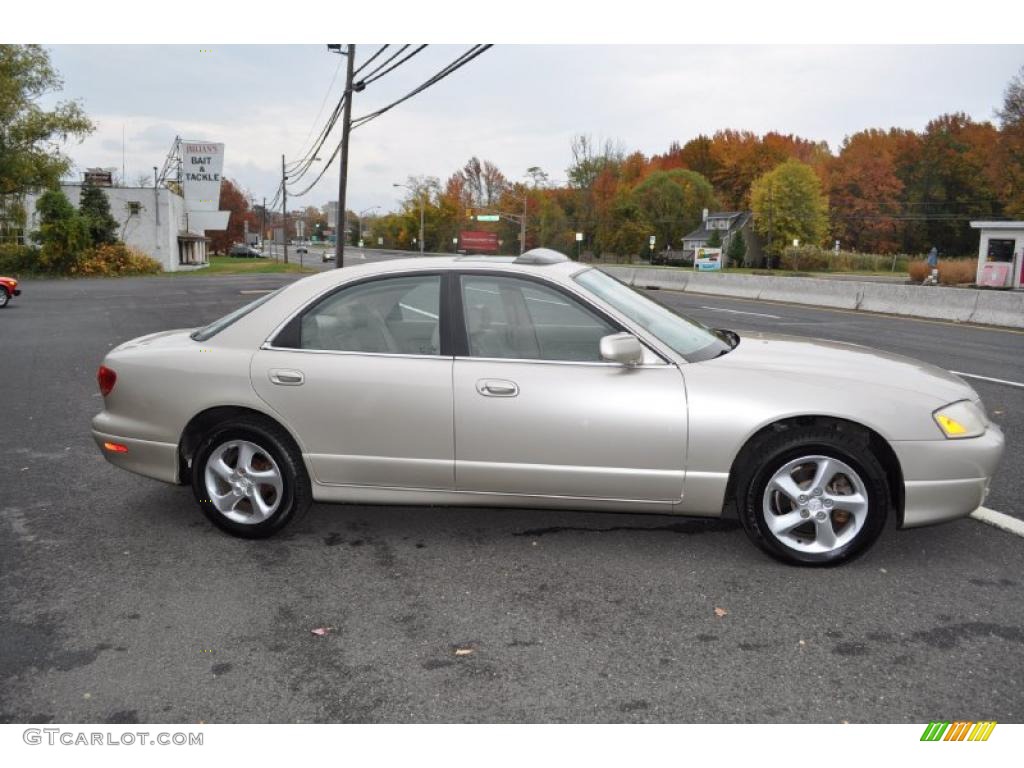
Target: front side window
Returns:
[395, 315]
[506, 317]
[692, 340]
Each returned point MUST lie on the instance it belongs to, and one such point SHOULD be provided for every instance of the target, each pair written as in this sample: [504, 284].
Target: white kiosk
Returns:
[1000, 254]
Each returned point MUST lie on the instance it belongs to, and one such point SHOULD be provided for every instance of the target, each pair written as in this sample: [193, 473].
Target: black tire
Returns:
[5, 297]
[772, 452]
[297, 494]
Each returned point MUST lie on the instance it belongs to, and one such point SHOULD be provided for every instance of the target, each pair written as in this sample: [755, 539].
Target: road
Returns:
[120, 603]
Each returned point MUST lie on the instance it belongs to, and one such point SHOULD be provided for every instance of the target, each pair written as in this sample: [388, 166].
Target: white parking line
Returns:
[1000, 520]
[989, 378]
[741, 312]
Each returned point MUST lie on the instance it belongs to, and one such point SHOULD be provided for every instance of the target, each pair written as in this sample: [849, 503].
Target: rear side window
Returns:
[208, 331]
[397, 315]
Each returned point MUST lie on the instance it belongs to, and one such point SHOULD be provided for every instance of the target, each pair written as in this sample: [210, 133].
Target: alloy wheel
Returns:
[243, 481]
[815, 504]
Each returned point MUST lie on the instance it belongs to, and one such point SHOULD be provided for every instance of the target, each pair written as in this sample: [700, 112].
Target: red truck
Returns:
[8, 288]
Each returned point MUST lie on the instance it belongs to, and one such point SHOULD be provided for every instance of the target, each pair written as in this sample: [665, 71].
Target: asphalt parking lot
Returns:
[120, 603]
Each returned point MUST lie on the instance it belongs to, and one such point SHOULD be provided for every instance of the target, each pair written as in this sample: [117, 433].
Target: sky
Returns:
[516, 105]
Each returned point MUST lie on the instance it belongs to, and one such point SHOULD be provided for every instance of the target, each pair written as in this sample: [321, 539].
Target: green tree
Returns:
[63, 232]
[736, 253]
[94, 207]
[715, 239]
[789, 205]
[672, 202]
[30, 136]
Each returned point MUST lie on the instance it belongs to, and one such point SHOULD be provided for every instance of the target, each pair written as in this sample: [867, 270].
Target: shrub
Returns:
[113, 260]
[17, 260]
[951, 271]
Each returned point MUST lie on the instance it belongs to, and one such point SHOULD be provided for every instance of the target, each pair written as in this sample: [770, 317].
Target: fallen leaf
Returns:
[802, 643]
[463, 651]
[883, 570]
[320, 631]
[720, 612]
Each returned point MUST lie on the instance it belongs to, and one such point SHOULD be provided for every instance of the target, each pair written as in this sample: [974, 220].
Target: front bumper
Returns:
[143, 457]
[947, 479]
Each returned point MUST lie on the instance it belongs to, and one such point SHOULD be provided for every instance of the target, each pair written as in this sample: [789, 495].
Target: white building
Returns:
[1000, 254]
[152, 220]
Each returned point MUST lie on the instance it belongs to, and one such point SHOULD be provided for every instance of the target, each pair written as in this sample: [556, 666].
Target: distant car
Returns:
[328, 255]
[8, 288]
[535, 381]
[244, 252]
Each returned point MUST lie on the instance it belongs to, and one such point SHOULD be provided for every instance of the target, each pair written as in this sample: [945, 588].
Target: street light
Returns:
[421, 201]
[359, 218]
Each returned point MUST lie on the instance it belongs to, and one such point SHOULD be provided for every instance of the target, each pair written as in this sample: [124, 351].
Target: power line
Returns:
[459, 62]
[377, 74]
[323, 102]
[374, 56]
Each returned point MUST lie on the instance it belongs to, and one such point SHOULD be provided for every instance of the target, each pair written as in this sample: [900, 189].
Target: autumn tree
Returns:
[954, 179]
[1011, 146]
[236, 202]
[788, 205]
[866, 194]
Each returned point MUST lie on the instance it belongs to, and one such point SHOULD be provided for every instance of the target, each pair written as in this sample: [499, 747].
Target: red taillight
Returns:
[106, 379]
[116, 447]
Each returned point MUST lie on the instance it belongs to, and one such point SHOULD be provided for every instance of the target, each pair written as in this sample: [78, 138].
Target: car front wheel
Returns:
[814, 496]
[249, 479]
[4, 297]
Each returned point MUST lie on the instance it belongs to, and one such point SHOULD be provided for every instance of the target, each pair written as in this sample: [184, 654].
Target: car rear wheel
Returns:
[814, 496]
[4, 297]
[249, 479]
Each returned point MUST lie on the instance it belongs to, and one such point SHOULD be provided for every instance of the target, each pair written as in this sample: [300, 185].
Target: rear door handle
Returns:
[286, 377]
[497, 388]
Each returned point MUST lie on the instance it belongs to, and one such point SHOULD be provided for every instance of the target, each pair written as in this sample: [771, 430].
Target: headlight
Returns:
[960, 420]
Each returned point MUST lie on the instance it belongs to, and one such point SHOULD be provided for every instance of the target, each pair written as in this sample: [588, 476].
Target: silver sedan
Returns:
[539, 382]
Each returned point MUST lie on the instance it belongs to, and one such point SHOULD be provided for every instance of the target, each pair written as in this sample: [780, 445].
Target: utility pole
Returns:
[263, 225]
[284, 210]
[522, 228]
[423, 206]
[346, 126]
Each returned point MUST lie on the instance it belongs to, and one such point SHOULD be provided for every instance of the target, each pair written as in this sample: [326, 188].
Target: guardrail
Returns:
[963, 305]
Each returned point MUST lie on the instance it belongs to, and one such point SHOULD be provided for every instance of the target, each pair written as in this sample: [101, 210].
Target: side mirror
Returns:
[622, 348]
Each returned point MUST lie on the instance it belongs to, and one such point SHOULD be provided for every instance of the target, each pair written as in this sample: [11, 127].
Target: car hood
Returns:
[851, 364]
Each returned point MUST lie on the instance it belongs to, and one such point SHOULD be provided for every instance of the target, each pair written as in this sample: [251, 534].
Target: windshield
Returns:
[692, 340]
[207, 331]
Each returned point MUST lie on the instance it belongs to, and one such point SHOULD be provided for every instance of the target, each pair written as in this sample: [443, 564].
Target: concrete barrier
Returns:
[962, 305]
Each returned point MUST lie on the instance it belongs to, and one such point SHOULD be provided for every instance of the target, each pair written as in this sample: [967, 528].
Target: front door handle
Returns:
[286, 377]
[497, 388]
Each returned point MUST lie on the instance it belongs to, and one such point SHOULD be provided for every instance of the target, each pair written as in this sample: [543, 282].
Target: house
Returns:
[152, 220]
[726, 224]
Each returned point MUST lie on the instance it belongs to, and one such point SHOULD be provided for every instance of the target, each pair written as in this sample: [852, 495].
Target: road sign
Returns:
[652, 241]
[488, 217]
[380, 241]
[579, 237]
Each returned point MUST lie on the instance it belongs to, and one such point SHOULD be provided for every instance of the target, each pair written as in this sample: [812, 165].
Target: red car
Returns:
[8, 288]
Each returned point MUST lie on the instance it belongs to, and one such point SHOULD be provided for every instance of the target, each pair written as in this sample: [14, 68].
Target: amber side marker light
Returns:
[116, 447]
